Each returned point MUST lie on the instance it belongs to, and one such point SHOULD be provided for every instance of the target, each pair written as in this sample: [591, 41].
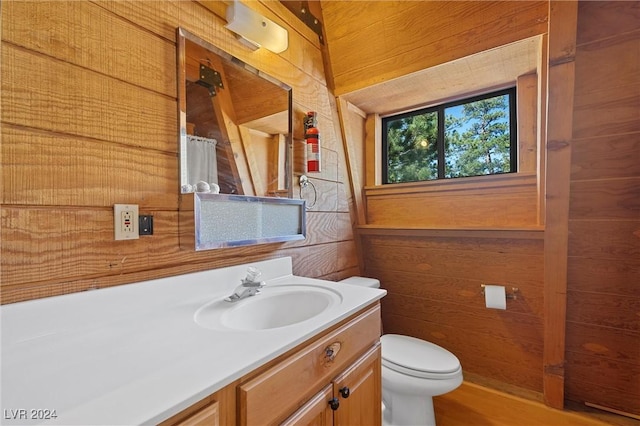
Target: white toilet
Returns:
[413, 371]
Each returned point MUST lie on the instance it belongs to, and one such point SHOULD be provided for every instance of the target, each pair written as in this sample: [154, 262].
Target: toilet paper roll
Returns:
[495, 296]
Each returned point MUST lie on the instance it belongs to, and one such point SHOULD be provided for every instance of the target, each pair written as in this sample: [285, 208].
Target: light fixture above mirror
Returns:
[255, 28]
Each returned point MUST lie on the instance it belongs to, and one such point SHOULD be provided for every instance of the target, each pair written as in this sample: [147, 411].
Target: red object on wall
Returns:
[312, 137]
[313, 149]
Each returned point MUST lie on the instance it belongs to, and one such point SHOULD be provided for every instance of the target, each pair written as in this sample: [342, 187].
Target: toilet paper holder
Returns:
[510, 296]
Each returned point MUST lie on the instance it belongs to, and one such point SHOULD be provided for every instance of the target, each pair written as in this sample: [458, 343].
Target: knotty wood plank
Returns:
[617, 199]
[44, 168]
[56, 96]
[605, 239]
[476, 350]
[606, 157]
[588, 391]
[620, 276]
[66, 244]
[619, 388]
[495, 268]
[602, 309]
[602, 341]
[596, 71]
[562, 36]
[106, 45]
[607, 112]
[499, 324]
[325, 259]
[477, 208]
[603, 19]
[461, 242]
[465, 291]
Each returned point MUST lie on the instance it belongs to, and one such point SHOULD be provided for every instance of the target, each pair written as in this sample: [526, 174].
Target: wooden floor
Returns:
[474, 405]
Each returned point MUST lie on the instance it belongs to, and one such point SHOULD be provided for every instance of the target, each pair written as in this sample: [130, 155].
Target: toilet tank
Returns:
[362, 281]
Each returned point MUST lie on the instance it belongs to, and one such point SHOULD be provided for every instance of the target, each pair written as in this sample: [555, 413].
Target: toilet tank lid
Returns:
[416, 354]
[362, 281]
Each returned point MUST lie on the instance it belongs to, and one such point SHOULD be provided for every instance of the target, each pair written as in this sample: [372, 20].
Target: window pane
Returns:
[477, 138]
[412, 148]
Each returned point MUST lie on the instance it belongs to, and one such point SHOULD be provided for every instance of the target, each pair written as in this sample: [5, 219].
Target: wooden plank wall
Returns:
[434, 293]
[433, 265]
[432, 246]
[603, 291]
[89, 119]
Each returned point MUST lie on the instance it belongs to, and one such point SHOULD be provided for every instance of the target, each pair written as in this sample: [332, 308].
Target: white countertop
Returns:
[133, 354]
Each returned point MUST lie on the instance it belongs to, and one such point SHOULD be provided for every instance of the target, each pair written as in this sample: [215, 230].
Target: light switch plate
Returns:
[125, 221]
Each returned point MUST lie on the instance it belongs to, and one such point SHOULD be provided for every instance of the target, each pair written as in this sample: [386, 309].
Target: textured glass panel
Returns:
[234, 220]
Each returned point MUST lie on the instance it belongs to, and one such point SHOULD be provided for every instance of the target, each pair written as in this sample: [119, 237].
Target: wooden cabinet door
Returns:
[208, 416]
[316, 412]
[300, 375]
[359, 391]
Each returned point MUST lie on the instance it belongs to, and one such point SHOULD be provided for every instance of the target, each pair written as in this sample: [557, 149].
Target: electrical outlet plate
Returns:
[125, 221]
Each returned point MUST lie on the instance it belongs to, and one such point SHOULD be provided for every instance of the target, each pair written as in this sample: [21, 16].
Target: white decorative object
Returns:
[202, 186]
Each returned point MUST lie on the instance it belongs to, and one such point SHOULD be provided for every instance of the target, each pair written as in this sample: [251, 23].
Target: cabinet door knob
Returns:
[334, 403]
[345, 392]
[331, 351]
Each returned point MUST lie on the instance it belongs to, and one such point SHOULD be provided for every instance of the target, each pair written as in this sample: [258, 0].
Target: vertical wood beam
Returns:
[527, 107]
[353, 143]
[373, 150]
[353, 147]
[542, 128]
[563, 16]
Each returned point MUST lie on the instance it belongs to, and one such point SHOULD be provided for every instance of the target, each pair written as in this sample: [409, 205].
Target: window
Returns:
[469, 137]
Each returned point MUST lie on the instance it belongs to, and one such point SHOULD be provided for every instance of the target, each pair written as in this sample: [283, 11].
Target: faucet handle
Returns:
[252, 273]
[252, 276]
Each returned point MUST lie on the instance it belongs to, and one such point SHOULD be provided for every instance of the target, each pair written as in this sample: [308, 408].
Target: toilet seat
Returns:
[418, 358]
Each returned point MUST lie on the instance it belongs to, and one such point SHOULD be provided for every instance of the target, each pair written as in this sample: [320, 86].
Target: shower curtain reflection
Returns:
[202, 163]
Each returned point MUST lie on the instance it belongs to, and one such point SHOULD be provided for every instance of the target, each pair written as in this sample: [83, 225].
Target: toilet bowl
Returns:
[413, 372]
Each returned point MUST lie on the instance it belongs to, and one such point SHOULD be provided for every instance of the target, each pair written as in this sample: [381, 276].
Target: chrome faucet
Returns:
[250, 286]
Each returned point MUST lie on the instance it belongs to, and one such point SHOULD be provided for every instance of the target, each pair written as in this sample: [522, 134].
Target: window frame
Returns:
[440, 109]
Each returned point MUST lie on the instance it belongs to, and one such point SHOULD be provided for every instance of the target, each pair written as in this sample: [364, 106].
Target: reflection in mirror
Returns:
[235, 124]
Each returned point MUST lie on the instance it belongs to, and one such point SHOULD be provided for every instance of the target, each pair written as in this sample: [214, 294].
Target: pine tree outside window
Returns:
[470, 137]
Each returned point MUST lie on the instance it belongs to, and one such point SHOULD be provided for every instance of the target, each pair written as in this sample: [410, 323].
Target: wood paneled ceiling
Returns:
[475, 74]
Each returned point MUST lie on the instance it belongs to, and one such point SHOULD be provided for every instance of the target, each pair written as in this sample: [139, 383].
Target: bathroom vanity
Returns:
[171, 351]
[326, 380]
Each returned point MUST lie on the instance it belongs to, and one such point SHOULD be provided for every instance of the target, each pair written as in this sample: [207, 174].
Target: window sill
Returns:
[475, 183]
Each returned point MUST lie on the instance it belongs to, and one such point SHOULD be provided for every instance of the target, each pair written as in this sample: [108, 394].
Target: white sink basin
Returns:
[273, 307]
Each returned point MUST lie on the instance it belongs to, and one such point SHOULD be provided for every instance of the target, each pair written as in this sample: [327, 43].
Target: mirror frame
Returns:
[181, 36]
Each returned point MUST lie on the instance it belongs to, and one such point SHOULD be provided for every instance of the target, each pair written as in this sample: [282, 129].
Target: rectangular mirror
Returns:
[235, 124]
